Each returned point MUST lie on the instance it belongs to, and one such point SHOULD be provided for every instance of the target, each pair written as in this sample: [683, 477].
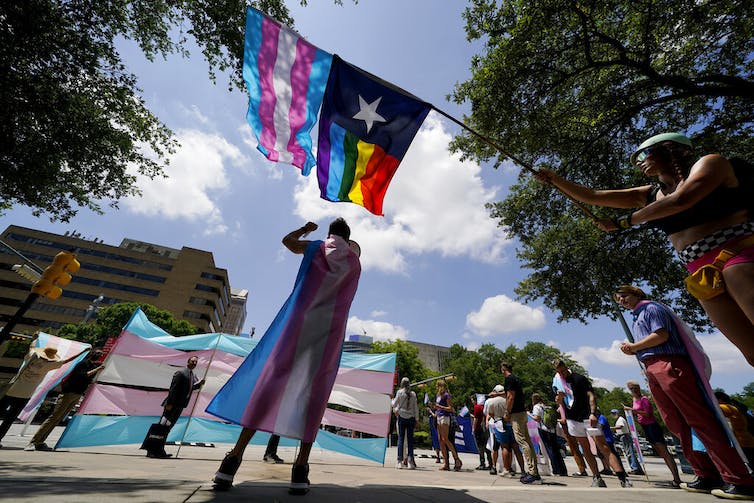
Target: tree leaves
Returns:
[72, 122]
[575, 86]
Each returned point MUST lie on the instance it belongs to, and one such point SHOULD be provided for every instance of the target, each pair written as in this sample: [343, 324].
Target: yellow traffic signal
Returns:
[57, 275]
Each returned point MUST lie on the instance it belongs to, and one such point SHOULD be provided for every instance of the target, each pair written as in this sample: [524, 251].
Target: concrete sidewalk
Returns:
[123, 473]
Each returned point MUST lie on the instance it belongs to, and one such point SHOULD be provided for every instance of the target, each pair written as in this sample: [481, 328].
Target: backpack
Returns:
[550, 418]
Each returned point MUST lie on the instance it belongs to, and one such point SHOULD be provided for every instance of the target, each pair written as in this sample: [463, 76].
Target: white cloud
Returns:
[195, 177]
[501, 314]
[435, 203]
[378, 330]
[272, 170]
[378, 313]
[194, 114]
[725, 358]
[601, 382]
[612, 355]
[473, 346]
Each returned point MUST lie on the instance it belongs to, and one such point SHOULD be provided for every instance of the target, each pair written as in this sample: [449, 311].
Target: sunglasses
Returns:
[643, 154]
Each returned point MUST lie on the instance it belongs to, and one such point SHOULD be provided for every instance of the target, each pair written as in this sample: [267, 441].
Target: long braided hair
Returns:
[679, 157]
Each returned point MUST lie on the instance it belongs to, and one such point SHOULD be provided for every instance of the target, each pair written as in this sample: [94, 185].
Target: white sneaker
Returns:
[411, 464]
[30, 447]
[399, 465]
[505, 473]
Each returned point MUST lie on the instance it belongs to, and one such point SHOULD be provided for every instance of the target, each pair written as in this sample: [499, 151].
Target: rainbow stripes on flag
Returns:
[286, 77]
[365, 128]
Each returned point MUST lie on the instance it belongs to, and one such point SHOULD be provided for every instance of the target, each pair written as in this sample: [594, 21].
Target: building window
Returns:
[86, 251]
[207, 288]
[115, 286]
[209, 275]
[52, 308]
[196, 316]
[103, 268]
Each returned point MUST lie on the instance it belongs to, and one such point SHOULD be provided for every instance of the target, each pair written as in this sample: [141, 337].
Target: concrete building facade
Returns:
[237, 311]
[186, 282]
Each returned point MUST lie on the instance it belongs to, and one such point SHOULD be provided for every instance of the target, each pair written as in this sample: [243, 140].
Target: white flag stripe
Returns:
[281, 81]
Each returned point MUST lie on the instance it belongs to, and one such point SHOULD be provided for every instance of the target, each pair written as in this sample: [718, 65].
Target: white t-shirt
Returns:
[495, 407]
[621, 428]
[539, 411]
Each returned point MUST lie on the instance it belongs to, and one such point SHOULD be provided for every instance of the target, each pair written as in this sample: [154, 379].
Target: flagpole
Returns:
[191, 413]
[515, 159]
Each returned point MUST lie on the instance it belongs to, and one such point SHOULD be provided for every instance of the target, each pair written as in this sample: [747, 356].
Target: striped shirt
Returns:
[651, 317]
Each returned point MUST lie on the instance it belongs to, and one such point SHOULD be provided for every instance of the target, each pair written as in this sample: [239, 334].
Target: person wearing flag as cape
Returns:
[678, 376]
[284, 384]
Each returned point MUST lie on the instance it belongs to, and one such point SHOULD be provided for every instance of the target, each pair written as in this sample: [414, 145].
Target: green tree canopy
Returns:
[575, 86]
[111, 320]
[479, 371]
[71, 116]
[408, 363]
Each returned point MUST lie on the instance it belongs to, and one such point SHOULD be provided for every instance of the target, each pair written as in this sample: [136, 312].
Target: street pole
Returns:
[623, 324]
[5, 332]
[93, 308]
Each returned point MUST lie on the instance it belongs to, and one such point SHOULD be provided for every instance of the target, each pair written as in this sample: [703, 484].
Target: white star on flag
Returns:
[368, 112]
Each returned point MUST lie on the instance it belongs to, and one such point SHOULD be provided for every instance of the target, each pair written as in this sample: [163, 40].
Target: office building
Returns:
[236, 312]
[183, 281]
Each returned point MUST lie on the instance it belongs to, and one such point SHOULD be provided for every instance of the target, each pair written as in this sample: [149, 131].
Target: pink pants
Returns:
[674, 387]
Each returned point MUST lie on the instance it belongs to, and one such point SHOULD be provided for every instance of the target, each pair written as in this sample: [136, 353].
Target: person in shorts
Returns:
[575, 393]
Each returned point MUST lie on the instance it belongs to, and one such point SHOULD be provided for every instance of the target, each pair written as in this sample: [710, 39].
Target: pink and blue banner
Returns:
[126, 398]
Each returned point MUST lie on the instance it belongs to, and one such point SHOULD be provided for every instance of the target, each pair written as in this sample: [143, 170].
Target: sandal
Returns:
[445, 468]
[457, 466]
[675, 484]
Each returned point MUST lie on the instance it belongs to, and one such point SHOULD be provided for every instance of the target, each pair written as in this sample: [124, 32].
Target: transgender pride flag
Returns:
[286, 78]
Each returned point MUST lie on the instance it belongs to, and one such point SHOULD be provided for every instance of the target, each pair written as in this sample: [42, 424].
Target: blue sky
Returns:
[436, 268]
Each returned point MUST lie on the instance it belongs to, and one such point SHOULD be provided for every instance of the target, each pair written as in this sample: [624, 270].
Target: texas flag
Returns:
[365, 128]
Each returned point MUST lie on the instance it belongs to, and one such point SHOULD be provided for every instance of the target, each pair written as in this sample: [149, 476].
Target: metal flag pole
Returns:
[191, 413]
[528, 167]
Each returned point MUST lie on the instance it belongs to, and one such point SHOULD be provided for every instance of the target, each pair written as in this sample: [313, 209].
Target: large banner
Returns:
[126, 398]
[463, 438]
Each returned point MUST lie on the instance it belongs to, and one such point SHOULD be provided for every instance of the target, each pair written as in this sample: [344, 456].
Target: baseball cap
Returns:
[498, 389]
[614, 411]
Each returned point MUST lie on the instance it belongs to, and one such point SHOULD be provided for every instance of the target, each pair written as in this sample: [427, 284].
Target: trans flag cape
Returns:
[285, 76]
[125, 400]
[700, 362]
[283, 385]
[559, 384]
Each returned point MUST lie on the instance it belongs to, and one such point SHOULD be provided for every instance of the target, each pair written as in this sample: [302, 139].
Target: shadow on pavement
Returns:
[255, 492]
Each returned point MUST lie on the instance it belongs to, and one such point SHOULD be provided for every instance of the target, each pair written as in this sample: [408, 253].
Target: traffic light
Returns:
[57, 275]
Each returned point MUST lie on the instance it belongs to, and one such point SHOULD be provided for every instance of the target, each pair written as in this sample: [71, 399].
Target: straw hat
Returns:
[48, 353]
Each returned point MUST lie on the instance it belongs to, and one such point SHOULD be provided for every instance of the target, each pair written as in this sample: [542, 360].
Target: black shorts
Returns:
[654, 434]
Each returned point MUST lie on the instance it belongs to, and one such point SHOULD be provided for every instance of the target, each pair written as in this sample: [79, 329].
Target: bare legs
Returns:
[445, 445]
[662, 450]
[733, 311]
